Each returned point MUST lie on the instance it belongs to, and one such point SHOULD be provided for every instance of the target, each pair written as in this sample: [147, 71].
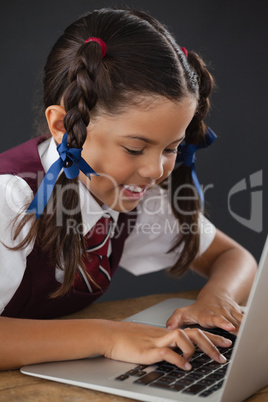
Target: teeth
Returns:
[134, 189]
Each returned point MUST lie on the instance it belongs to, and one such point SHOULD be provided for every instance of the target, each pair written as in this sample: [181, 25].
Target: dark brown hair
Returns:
[142, 59]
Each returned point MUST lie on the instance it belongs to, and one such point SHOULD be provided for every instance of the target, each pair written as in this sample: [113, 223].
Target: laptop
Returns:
[245, 372]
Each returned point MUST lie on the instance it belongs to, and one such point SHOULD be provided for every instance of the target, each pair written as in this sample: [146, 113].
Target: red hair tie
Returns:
[185, 51]
[101, 43]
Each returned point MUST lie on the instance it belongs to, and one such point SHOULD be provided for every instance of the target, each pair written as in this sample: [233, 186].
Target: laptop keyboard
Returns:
[205, 377]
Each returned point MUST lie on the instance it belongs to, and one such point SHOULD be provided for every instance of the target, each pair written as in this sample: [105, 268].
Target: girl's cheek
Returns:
[168, 170]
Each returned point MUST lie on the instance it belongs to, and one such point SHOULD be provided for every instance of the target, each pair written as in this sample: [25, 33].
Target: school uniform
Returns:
[140, 240]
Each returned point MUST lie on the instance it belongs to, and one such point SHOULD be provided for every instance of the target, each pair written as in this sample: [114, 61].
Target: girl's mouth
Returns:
[133, 191]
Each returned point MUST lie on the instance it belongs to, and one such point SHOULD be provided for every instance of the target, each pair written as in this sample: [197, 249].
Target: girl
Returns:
[120, 96]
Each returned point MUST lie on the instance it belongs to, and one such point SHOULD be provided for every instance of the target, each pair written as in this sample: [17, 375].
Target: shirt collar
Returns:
[90, 209]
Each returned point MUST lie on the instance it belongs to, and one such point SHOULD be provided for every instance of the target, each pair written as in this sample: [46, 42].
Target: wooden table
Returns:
[18, 387]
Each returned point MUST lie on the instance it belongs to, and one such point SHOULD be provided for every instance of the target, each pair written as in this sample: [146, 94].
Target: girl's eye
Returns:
[171, 151]
[133, 151]
[140, 151]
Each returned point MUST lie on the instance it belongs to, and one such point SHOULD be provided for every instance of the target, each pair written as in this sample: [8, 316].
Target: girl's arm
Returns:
[24, 342]
[231, 271]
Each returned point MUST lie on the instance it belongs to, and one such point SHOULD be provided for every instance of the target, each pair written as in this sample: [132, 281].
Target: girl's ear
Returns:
[55, 115]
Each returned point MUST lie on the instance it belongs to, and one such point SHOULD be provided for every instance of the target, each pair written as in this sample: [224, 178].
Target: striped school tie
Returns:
[97, 264]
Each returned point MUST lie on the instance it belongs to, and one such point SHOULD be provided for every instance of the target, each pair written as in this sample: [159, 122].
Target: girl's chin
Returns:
[124, 206]
[121, 204]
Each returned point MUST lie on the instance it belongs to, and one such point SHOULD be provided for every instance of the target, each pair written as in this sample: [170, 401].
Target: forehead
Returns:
[152, 117]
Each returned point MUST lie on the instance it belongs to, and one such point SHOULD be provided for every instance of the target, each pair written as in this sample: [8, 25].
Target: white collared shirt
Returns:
[145, 249]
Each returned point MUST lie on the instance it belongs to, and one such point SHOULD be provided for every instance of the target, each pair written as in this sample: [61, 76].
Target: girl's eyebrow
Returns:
[149, 141]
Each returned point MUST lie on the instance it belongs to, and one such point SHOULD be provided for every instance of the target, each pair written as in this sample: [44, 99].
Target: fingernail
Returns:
[232, 326]
[187, 366]
[169, 327]
[227, 341]
[223, 359]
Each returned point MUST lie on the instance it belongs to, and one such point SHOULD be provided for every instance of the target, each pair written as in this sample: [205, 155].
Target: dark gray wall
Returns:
[232, 37]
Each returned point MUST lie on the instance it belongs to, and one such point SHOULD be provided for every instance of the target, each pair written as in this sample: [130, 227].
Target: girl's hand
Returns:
[209, 312]
[144, 344]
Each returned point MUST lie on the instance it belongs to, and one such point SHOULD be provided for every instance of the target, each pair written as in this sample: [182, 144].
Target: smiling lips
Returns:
[134, 189]
[134, 192]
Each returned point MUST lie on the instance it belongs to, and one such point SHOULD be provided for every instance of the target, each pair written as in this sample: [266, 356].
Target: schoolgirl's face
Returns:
[134, 151]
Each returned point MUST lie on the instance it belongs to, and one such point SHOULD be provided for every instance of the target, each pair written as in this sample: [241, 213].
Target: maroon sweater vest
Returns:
[31, 299]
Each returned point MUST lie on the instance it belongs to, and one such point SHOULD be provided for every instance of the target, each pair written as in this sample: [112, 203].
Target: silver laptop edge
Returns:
[252, 368]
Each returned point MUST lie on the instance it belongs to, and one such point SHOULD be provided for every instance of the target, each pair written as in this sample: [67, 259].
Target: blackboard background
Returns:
[230, 35]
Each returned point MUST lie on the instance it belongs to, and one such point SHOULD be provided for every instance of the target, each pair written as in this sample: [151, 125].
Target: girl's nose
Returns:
[152, 169]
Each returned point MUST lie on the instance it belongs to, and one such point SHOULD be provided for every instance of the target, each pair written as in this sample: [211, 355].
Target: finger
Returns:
[204, 343]
[167, 354]
[218, 340]
[238, 316]
[178, 338]
[178, 318]
[175, 320]
[229, 323]
[212, 320]
[235, 316]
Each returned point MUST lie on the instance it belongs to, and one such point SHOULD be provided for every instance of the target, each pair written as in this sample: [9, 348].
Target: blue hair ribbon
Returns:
[71, 161]
[186, 155]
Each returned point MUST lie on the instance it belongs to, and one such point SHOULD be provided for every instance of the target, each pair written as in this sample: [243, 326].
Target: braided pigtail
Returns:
[79, 99]
[186, 205]
[81, 96]
[197, 128]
